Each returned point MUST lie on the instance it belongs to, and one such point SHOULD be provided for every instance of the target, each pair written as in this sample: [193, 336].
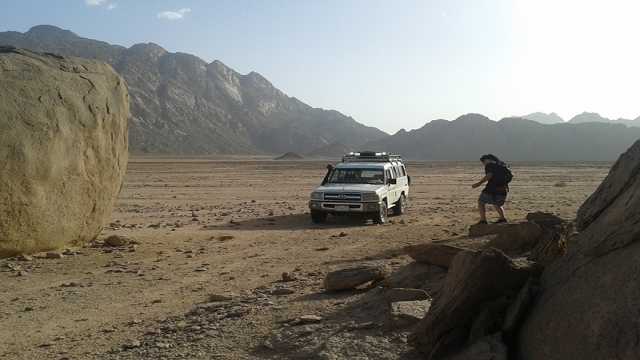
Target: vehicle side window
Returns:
[404, 171]
[388, 172]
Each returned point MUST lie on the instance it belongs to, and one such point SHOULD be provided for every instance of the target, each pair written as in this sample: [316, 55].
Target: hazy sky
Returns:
[391, 64]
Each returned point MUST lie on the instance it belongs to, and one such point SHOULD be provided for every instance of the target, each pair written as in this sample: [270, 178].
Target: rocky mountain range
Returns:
[583, 118]
[181, 104]
[514, 139]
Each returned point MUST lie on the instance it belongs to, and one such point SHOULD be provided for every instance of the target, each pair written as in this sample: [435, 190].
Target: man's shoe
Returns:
[501, 221]
[482, 222]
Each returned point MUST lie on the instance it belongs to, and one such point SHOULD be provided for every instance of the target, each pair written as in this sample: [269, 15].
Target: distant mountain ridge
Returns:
[182, 105]
[514, 139]
[542, 118]
[590, 117]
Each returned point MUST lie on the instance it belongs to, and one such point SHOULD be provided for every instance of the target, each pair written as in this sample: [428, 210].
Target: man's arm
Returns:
[484, 180]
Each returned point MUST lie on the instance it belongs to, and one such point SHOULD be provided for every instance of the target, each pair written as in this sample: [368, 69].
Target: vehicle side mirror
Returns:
[392, 181]
[409, 180]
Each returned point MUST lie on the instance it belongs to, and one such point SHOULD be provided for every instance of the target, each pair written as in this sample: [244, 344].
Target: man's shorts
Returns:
[492, 199]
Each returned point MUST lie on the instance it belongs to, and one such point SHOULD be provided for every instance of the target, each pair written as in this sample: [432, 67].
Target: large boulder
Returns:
[433, 253]
[488, 348]
[513, 238]
[590, 301]
[351, 278]
[477, 280]
[63, 149]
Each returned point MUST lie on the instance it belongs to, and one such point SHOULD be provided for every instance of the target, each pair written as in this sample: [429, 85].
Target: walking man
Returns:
[497, 176]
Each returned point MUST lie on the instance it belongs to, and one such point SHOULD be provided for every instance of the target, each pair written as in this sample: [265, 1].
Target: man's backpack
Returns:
[508, 175]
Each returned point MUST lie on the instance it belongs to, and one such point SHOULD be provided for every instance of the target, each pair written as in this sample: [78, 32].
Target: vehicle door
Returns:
[399, 182]
[388, 186]
[393, 188]
[404, 186]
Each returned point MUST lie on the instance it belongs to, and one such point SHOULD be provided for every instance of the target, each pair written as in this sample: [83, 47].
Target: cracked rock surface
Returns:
[63, 149]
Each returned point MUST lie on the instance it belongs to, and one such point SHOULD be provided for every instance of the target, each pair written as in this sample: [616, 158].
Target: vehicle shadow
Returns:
[289, 222]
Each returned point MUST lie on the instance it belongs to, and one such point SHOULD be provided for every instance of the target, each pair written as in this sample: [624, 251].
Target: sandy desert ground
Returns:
[205, 227]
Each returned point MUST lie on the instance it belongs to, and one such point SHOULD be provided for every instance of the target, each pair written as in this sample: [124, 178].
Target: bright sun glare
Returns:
[576, 55]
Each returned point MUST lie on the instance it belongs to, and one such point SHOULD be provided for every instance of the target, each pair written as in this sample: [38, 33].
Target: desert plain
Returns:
[208, 229]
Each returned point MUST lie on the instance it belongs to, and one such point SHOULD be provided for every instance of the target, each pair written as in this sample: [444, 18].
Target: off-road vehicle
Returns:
[366, 184]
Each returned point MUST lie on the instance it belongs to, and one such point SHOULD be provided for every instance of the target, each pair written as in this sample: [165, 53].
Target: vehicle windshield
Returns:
[357, 176]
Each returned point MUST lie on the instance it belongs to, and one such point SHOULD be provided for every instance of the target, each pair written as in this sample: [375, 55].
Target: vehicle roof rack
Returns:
[370, 156]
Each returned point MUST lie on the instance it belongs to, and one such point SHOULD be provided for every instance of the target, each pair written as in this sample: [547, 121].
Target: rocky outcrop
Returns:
[63, 145]
[472, 294]
[588, 308]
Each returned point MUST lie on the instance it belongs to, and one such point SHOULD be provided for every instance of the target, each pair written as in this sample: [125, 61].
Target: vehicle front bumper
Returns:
[344, 207]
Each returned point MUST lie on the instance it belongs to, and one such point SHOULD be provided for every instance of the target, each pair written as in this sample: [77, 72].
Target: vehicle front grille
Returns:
[342, 197]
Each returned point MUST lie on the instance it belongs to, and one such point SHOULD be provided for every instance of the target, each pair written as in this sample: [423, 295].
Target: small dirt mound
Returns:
[290, 156]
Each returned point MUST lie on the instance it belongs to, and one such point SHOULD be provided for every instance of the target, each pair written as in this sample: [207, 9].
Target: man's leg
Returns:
[482, 211]
[500, 211]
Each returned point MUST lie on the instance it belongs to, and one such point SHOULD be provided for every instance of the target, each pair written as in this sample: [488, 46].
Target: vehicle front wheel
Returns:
[318, 217]
[401, 205]
[381, 218]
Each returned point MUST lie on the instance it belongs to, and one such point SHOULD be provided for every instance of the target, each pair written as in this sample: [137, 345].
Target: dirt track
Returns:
[212, 227]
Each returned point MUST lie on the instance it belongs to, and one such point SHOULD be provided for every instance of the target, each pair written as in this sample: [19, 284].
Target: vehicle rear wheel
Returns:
[401, 205]
[381, 218]
[318, 217]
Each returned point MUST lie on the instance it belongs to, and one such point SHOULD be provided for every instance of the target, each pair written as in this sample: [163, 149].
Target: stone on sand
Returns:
[350, 278]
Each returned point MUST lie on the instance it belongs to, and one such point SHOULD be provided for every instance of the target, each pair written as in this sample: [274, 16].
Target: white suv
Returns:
[366, 184]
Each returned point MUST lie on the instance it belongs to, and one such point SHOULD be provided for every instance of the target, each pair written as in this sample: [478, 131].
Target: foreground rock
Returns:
[63, 141]
[351, 278]
[488, 348]
[590, 298]
[476, 283]
[510, 238]
[407, 313]
[433, 254]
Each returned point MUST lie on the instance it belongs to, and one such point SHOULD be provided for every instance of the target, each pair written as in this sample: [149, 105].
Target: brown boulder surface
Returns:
[63, 145]
[475, 278]
[590, 301]
[434, 254]
[350, 278]
[517, 237]
[488, 348]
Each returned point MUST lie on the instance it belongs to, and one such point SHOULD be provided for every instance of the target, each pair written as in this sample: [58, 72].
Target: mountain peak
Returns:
[588, 117]
[149, 49]
[50, 31]
[258, 79]
[544, 118]
[473, 117]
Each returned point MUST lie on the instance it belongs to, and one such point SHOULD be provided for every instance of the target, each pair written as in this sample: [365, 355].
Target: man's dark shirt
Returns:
[497, 184]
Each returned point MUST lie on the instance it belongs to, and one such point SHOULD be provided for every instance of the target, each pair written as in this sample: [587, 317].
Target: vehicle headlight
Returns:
[370, 197]
[316, 195]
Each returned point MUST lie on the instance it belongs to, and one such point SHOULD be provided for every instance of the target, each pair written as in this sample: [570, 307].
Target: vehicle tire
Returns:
[318, 217]
[382, 215]
[401, 206]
